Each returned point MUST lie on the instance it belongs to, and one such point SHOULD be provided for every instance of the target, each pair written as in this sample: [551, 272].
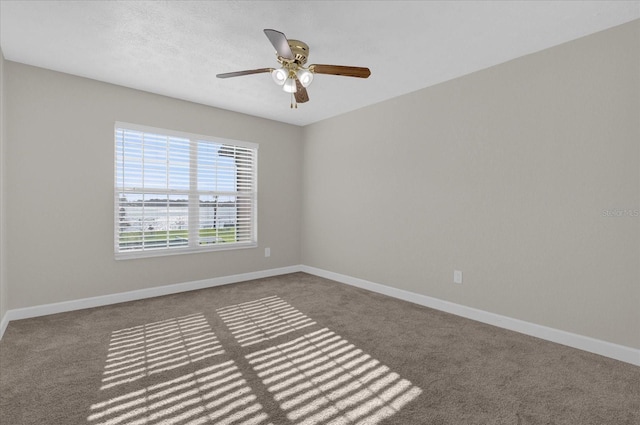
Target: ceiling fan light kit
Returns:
[305, 76]
[293, 76]
[289, 86]
[280, 75]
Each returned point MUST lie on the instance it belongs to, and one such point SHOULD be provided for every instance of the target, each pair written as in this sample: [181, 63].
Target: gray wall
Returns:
[59, 188]
[3, 281]
[505, 174]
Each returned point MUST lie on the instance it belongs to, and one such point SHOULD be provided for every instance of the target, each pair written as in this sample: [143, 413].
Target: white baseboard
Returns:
[61, 307]
[603, 348]
[585, 343]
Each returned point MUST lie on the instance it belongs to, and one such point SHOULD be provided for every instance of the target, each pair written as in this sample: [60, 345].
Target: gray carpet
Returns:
[297, 349]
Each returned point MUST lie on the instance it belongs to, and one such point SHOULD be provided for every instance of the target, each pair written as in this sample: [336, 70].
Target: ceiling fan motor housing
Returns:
[300, 51]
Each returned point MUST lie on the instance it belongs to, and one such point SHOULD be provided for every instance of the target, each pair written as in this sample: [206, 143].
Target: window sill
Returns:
[163, 252]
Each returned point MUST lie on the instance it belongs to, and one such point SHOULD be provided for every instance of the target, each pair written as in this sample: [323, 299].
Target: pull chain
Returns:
[293, 103]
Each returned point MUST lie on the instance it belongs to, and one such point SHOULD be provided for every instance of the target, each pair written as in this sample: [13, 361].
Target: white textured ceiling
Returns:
[175, 48]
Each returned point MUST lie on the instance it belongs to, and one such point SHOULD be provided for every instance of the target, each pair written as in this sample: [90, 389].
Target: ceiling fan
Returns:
[293, 76]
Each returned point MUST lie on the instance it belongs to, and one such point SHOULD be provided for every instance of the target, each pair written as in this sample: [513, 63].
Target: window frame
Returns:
[193, 196]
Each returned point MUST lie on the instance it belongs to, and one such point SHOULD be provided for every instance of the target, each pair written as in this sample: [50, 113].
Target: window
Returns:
[178, 193]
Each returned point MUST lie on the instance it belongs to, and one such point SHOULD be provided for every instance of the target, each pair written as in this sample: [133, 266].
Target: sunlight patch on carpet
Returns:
[216, 394]
[321, 378]
[158, 347]
[262, 320]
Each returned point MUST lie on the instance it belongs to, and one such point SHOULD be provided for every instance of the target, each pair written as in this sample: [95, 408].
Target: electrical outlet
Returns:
[267, 252]
[457, 276]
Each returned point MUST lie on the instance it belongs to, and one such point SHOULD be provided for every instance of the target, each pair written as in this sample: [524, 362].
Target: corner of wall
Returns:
[303, 190]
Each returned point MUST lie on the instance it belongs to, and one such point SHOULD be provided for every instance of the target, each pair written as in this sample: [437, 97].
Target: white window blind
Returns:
[178, 193]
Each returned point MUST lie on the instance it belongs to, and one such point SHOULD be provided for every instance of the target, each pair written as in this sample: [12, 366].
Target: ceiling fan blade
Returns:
[280, 42]
[301, 94]
[345, 71]
[241, 73]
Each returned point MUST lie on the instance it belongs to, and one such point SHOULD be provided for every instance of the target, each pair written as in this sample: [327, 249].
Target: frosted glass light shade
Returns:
[290, 85]
[279, 76]
[305, 77]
